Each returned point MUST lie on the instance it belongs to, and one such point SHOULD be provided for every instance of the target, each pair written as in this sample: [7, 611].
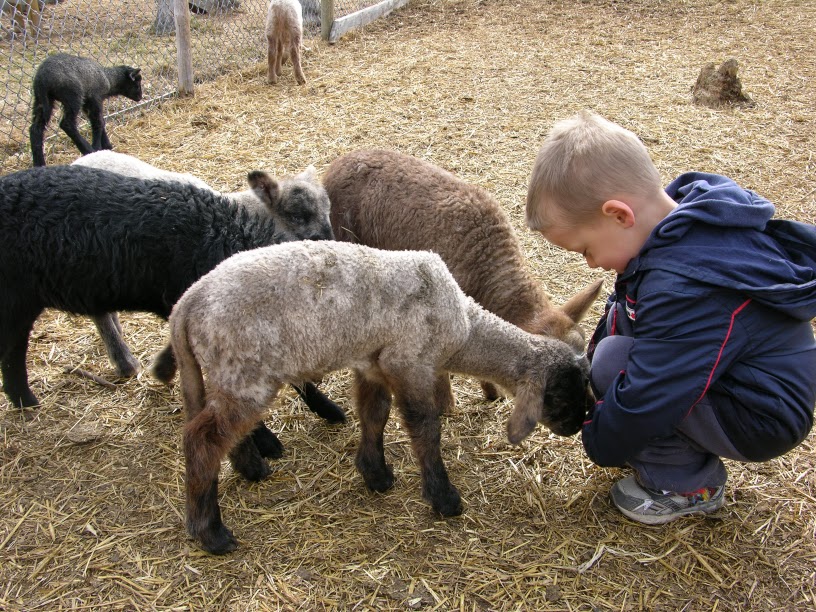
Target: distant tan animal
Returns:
[25, 15]
[284, 34]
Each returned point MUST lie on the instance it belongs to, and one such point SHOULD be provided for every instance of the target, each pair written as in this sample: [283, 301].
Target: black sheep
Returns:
[90, 242]
[81, 85]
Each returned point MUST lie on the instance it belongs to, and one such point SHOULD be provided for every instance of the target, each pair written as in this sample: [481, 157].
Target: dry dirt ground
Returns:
[91, 484]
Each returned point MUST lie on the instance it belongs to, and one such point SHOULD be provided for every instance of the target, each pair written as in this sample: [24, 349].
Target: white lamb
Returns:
[292, 313]
[284, 35]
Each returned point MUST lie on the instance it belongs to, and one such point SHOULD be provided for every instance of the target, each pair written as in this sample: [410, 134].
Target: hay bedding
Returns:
[91, 485]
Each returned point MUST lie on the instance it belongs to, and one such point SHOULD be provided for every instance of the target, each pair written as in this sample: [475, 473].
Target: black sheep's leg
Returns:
[14, 343]
[41, 115]
[319, 403]
[247, 461]
[267, 442]
[119, 354]
[68, 123]
[96, 117]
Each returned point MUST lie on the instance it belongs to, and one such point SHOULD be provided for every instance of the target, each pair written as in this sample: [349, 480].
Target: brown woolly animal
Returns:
[288, 313]
[284, 35]
[716, 87]
[389, 200]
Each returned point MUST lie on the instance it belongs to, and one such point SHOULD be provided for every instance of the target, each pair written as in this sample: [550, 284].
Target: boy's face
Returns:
[609, 241]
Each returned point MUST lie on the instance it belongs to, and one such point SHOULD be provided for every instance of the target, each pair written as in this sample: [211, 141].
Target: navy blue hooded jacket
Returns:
[720, 299]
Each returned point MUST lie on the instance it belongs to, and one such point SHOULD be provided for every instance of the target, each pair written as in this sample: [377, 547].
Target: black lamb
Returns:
[88, 241]
[80, 85]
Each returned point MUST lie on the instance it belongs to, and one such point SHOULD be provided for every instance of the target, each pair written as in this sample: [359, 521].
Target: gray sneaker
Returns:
[658, 507]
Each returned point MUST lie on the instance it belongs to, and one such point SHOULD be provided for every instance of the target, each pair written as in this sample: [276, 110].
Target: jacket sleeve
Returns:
[685, 339]
[600, 328]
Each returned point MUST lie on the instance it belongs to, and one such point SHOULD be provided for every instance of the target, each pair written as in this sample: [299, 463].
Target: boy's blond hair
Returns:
[585, 161]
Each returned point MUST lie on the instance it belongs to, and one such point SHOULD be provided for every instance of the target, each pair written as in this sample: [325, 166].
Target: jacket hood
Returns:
[724, 235]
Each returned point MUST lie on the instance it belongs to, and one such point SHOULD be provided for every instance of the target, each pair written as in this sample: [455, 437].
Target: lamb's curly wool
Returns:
[292, 312]
[298, 205]
[81, 85]
[389, 200]
[91, 242]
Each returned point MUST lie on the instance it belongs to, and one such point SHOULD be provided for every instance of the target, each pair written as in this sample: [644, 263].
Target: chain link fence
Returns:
[224, 34]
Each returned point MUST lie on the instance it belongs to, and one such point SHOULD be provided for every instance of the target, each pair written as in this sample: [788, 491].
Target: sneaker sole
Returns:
[657, 519]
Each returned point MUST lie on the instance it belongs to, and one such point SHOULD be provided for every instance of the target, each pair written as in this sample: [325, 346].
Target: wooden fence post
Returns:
[326, 18]
[184, 54]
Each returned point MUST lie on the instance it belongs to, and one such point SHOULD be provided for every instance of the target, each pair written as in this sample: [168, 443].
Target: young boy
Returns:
[706, 349]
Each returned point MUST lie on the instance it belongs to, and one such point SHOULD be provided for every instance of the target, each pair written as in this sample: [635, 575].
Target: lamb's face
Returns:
[567, 398]
[299, 205]
[303, 209]
[133, 84]
[556, 394]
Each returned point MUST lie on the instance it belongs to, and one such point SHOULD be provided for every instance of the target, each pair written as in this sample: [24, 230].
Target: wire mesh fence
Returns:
[225, 35]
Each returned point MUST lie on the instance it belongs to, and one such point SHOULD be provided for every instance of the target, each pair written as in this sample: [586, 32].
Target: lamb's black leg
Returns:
[247, 458]
[267, 442]
[68, 123]
[13, 365]
[421, 413]
[164, 365]
[247, 461]
[319, 403]
[41, 115]
[96, 117]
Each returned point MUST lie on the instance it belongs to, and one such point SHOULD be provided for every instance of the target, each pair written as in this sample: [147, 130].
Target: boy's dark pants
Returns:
[685, 461]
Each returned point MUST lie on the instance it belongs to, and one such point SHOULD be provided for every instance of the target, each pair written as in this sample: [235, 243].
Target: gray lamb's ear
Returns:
[529, 405]
[309, 174]
[265, 186]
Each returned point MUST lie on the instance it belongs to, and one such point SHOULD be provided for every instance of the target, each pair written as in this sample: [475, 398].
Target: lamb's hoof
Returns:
[329, 411]
[26, 399]
[321, 405]
[128, 369]
[491, 393]
[267, 442]
[164, 367]
[449, 504]
[379, 479]
[247, 461]
[217, 541]
[253, 469]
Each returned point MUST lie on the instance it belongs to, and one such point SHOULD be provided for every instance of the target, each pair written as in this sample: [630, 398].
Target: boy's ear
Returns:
[620, 211]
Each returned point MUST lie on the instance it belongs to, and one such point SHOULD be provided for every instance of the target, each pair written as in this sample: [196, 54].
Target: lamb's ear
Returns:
[135, 74]
[578, 305]
[529, 408]
[309, 174]
[264, 186]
